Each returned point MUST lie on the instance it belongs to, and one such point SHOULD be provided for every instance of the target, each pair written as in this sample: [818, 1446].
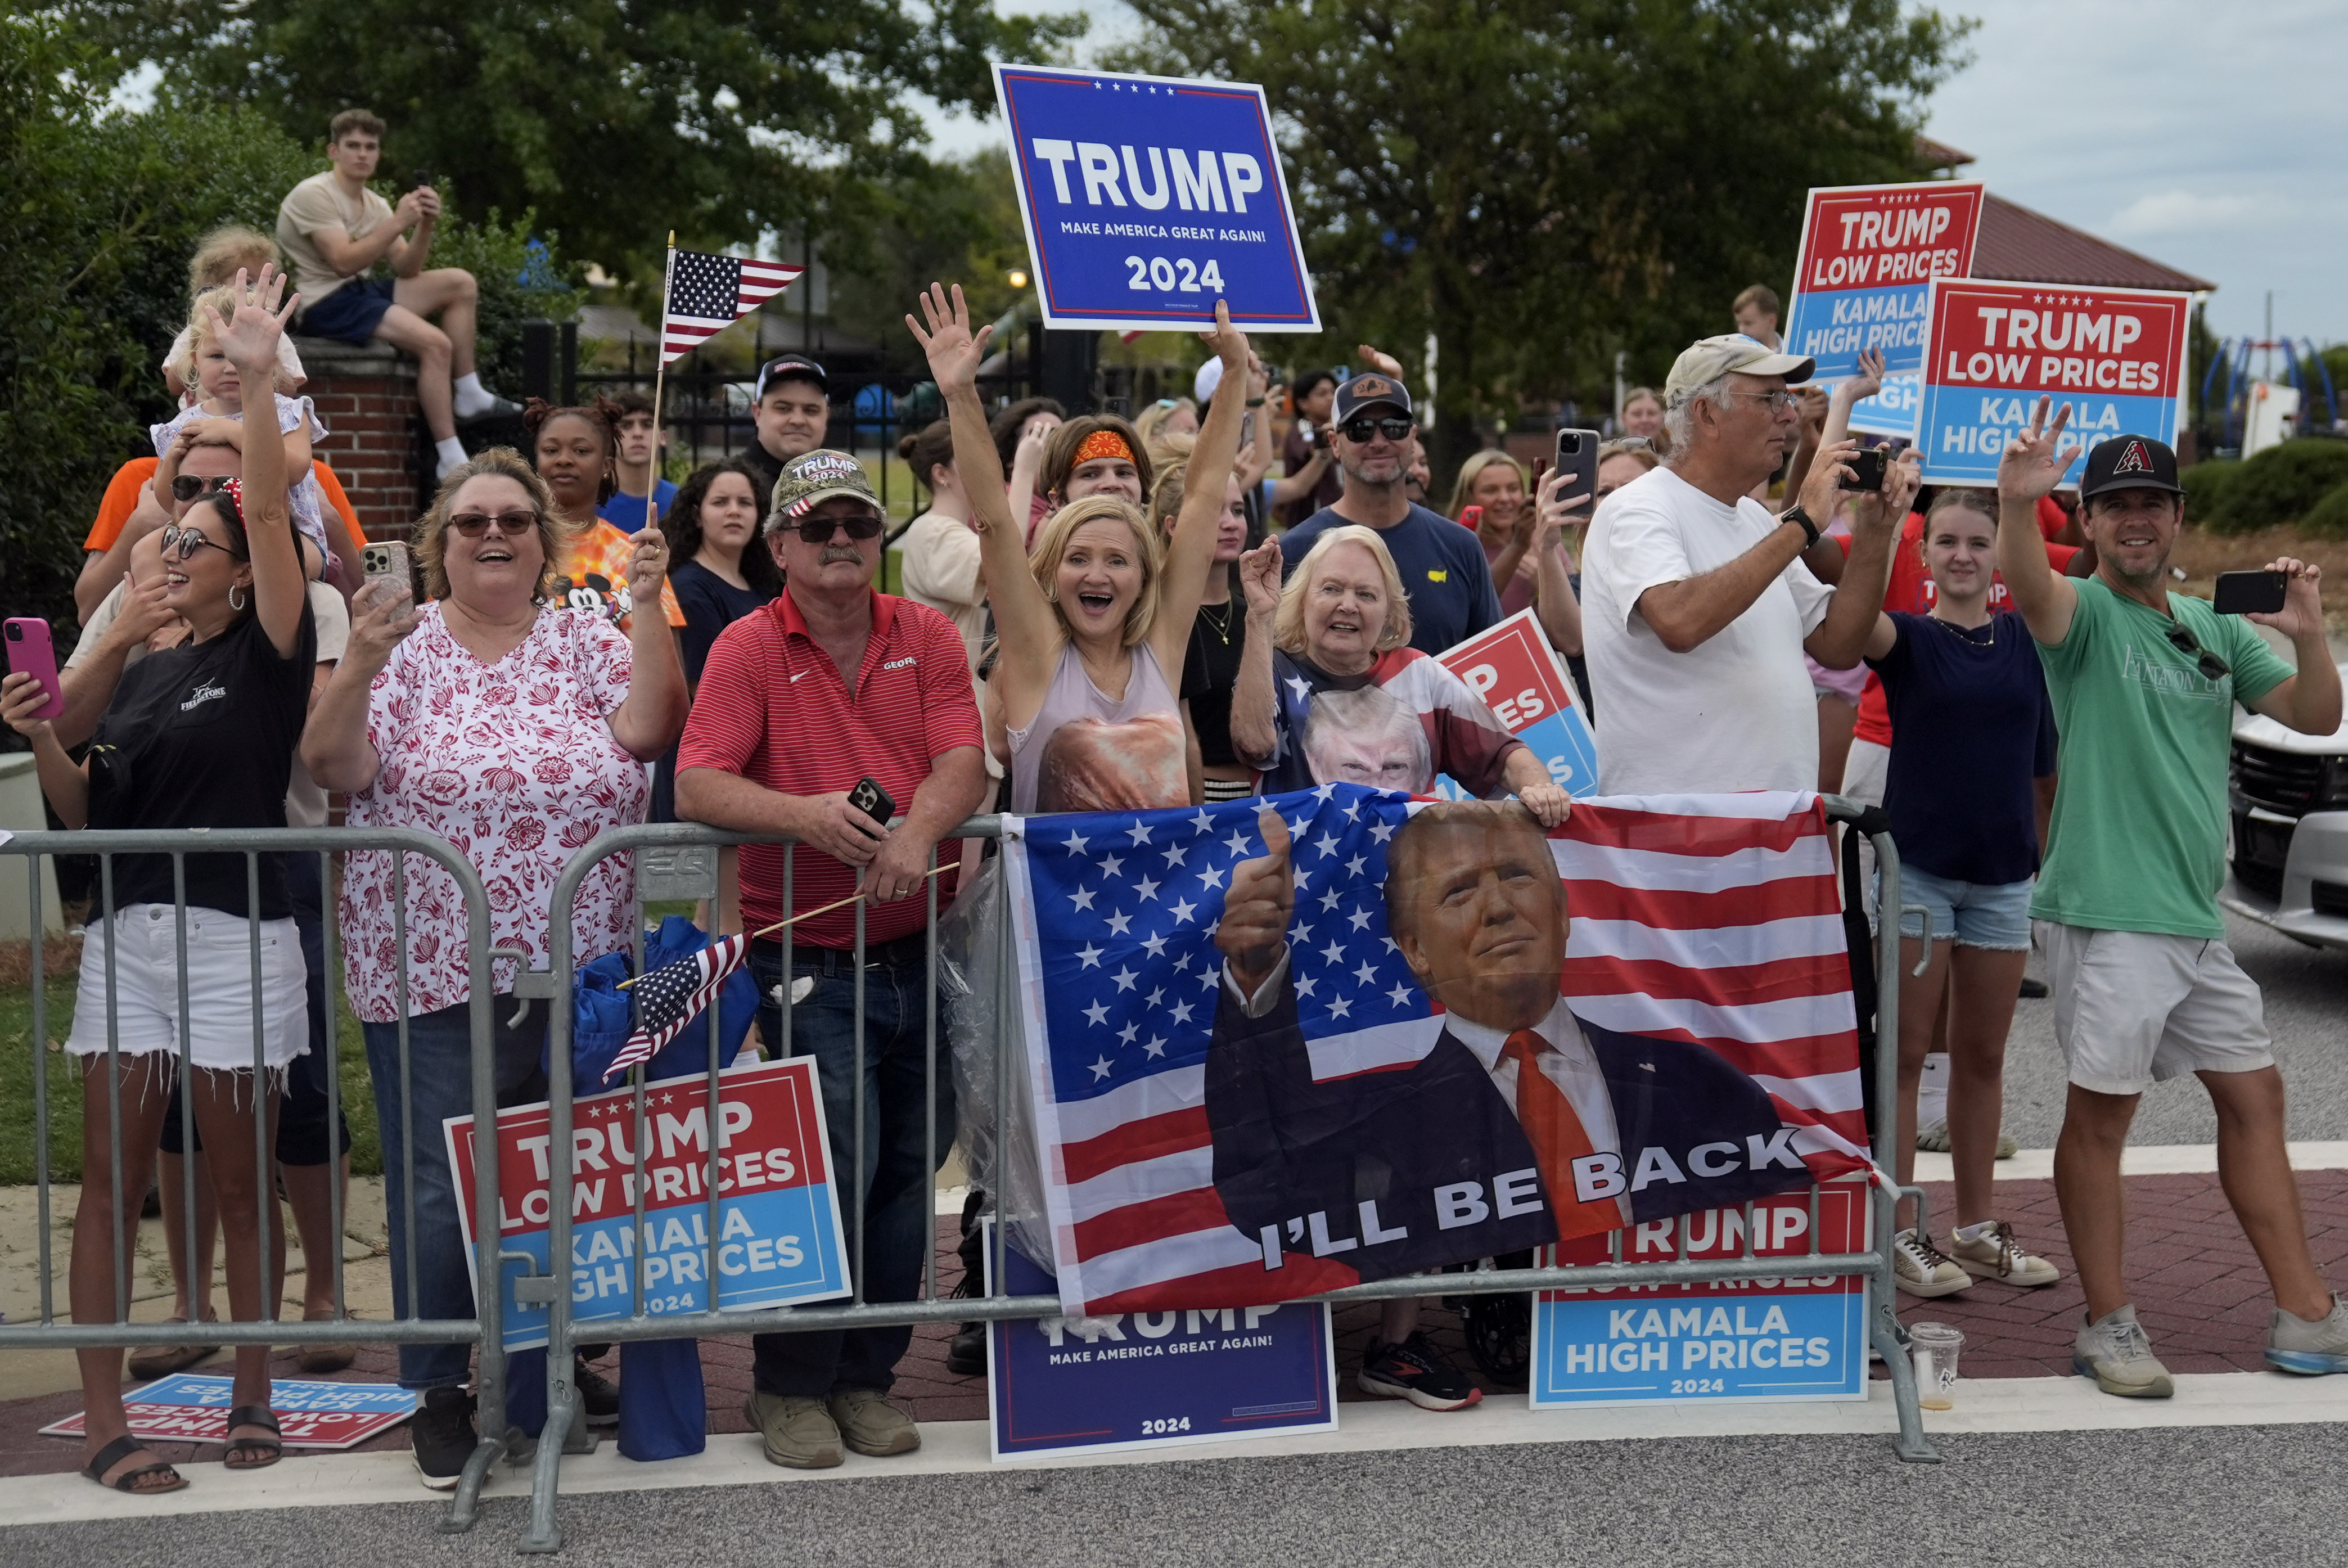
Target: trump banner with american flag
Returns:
[1279, 1046]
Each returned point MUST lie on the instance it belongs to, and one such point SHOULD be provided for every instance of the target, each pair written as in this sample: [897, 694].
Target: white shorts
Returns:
[2133, 1008]
[220, 988]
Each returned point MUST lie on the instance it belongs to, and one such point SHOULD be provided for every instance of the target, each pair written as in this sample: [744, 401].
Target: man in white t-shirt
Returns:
[1698, 607]
[334, 230]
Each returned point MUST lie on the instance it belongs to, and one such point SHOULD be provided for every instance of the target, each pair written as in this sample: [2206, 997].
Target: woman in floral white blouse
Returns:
[517, 730]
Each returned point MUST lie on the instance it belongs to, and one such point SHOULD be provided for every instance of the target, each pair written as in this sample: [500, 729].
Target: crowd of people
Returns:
[1098, 614]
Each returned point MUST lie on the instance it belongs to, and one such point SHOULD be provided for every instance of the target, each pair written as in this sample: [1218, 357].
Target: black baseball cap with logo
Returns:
[2129, 462]
[789, 368]
[1369, 390]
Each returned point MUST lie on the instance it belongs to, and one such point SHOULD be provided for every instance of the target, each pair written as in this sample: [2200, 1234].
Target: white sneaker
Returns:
[1997, 1255]
[2115, 1352]
[1922, 1269]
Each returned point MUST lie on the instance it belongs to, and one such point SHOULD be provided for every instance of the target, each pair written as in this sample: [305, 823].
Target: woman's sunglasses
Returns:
[180, 543]
[475, 524]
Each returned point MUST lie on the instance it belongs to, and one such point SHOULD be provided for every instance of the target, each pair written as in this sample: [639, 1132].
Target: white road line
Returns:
[2144, 1159]
[959, 1448]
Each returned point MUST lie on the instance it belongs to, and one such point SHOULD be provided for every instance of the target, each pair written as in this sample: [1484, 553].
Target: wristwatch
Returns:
[1795, 514]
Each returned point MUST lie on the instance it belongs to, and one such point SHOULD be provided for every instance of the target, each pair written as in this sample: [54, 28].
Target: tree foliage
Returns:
[616, 120]
[1540, 185]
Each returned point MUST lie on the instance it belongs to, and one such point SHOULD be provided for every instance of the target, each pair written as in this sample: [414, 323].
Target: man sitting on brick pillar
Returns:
[334, 230]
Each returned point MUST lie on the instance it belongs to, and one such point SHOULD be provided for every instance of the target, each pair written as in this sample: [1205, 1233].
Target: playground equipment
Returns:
[2257, 414]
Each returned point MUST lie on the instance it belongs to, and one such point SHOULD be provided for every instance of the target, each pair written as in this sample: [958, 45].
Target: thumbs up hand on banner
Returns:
[1262, 896]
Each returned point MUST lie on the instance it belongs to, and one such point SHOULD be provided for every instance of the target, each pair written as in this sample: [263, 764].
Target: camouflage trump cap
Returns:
[814, 478]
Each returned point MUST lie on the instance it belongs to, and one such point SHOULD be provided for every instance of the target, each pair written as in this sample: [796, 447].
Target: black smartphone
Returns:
[420, 179]
[1867, 466]
[1577, 457]
[2251, 592]
[869, 798]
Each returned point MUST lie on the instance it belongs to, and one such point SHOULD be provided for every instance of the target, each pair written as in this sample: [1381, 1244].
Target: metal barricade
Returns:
[484, 1328]
[681, 861]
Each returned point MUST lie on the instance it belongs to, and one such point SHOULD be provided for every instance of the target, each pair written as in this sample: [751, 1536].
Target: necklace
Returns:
[1965, 637]
[1222, 626]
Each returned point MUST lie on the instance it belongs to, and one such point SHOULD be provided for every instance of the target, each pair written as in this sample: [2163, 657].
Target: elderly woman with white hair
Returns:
[1343, 624]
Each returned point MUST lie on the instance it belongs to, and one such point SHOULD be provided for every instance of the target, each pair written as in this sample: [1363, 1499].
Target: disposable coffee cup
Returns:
[1934, 1346]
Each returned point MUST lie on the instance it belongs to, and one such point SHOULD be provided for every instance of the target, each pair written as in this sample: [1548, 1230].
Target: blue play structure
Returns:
[2232, 361]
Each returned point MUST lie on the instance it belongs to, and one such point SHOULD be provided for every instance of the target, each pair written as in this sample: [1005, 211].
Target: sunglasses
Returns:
[2211, 666]
[180, 543]
[475, 524]
[819, 529]
[188, 486]
[1362, 427]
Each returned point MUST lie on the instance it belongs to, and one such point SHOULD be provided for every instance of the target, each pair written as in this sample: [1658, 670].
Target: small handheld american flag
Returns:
[671, 995]
[707, 294]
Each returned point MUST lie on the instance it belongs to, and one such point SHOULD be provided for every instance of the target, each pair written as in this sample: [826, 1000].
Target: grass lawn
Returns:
[19, 1050]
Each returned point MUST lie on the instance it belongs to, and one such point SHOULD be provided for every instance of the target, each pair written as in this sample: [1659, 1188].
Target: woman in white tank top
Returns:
[1092, 628]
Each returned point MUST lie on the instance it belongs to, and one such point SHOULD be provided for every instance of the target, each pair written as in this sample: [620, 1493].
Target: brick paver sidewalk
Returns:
[2200, 1294]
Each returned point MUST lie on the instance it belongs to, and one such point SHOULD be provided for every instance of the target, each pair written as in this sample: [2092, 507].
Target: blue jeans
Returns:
[890, 1204]
[440, 1078]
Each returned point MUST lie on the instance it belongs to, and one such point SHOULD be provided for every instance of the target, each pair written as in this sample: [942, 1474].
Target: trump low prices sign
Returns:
[1798, 1336]
[1866, 254]
[779, 1237]
[192, 1407]
[1147, 199]
[1513, 669]
[2115, 356]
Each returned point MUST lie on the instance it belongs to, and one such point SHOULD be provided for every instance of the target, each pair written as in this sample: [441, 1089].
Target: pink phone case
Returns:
[31, 652]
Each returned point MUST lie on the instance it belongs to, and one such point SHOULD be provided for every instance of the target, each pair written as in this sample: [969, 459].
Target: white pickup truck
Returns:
[2287, 794]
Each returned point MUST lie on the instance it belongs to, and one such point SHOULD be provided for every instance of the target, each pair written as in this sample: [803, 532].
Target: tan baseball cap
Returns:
[1708, 359]
[815, 476]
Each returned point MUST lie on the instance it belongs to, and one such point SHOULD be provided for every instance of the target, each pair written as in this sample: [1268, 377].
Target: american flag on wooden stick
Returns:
[673, 996]
[707, 294]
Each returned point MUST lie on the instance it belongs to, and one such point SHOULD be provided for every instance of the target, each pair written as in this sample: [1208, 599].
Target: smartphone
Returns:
[30, 651]
[1577, 457]
[1867, 468]
[389, 563]
[2238, 592]
[869, 798]
[420, 180]
[1472, 517]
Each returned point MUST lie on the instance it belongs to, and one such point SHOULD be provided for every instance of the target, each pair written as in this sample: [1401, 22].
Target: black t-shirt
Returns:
[767, 465]
[1211, 673]
[710, 605]
[203, 735]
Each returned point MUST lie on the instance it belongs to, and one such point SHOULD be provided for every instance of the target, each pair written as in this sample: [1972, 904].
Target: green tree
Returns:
[616, 121]
[1534, 186]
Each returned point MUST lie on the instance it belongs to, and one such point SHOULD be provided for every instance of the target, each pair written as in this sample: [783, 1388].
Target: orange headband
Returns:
[1102, 444]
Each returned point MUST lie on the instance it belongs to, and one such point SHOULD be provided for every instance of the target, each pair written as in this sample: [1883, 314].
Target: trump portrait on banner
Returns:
[1507, 1121]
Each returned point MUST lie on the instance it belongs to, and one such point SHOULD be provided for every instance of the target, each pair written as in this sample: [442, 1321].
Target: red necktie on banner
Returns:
[1557, 1137]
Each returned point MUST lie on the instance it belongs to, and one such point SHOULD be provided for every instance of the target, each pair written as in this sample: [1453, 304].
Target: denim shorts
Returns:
[1994, 915]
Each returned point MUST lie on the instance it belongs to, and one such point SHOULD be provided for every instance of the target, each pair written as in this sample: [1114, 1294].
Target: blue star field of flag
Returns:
[1125, 909]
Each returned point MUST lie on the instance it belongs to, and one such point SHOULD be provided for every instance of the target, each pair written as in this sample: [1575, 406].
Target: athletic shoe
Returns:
[1995, 1254]
[2310, 1348]
[599, 1396]
[870, 1425]
[1932, 1137]
[496, 407]
[2115, 1352]
[1922, 1269]
[795, 1433]
[442, 1435]
[1415, 1371]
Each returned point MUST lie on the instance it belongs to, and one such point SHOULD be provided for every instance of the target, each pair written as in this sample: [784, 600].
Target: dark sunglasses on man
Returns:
[2212, 667]
[1362, 427]
[860, 526]
[188, 486]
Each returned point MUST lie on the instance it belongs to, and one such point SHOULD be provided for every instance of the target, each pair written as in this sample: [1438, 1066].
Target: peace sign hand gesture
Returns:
[2031, 466]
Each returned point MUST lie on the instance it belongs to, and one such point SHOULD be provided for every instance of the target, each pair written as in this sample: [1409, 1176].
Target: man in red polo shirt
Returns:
[829, 684]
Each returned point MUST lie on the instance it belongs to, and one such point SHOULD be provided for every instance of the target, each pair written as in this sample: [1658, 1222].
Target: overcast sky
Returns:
[2210, 137]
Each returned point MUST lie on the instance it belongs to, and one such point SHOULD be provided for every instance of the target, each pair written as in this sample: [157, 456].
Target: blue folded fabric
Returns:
[602, 1016]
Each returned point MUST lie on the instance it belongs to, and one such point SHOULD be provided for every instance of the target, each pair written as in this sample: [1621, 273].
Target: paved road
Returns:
[2307, 1012]
[2182, 1498]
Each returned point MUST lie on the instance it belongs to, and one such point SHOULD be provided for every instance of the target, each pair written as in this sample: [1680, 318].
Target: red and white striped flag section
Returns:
[673, 996]
[1702, 929]
[707, 294]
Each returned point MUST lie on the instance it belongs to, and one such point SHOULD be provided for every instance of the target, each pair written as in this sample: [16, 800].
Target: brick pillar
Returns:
[366, 395]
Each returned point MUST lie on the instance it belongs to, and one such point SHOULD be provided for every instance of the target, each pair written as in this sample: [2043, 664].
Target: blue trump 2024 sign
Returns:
[1153, 1379]
[1147, 199]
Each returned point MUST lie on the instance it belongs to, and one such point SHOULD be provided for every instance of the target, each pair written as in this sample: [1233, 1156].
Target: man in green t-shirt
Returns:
[2143, 682]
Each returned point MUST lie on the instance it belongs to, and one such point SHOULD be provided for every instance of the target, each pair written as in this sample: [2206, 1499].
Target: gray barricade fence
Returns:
[32, 856]
[681, 861]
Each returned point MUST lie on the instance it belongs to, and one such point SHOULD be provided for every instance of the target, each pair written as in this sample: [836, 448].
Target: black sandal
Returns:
[274, 1444]
[121, 1449]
